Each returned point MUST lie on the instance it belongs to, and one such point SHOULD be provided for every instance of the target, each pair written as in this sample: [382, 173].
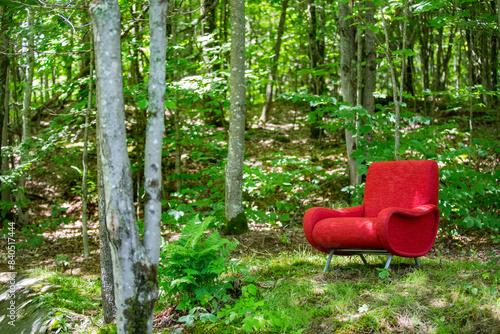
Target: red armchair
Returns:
[399, 215]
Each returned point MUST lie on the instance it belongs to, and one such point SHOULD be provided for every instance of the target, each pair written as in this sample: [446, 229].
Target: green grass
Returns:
[453, 296]
[72, 292]
[445, 296]
[74, 301]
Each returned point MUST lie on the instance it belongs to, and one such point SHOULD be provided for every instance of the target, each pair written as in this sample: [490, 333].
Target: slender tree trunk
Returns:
[316, 39]
[370, 71]
[471, 85]
[274, 64]
[5, 135]
[209, 24]
[4, 65]
[424, 57]
[236, 149]
[135, 277]
[154, 131]
[348, 80]
[84, 159]
[498, 112]
[107, 281]
[28, 87]
[397, 91]
[177, 117]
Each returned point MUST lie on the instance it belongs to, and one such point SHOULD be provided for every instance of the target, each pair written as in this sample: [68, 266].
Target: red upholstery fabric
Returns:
[356, 232]
[408, 232]
[399, 212]
[402, 184]
[314, 215]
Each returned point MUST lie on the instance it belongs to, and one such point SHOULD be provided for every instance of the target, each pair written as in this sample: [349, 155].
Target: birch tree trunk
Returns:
[274, 65]
[107, 281]
[154, 131]
[236, 150]
[135, 276]
[26, 135]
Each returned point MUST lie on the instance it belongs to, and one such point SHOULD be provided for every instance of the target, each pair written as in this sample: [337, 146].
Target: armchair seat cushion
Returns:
[357, 232]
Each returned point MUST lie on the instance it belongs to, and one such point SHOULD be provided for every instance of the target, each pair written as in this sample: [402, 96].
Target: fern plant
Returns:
[192, 268]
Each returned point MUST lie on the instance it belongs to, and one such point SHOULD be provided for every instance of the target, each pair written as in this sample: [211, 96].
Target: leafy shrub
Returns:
[192, 269]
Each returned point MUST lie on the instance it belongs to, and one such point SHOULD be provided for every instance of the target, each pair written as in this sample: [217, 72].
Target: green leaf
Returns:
[143, 104]
[208, 316]
[469, 221]
[252, 289]
[170, 104]
[479, 188]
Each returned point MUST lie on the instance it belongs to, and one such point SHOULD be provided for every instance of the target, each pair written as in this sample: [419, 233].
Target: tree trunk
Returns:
[274, 64]
[4, 65]
[135, 277]
[424, 57]
[86, 252]
[177, 116]
[316, 39]
[5, 160]
[28, 87]
[234, 165]
[370, 71]
[396, 91]
[209, 24]
[348, 80]
[107, 281]
[154, 131]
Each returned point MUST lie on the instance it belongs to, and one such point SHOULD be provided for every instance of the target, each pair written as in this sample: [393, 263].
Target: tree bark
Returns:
[209, 24]
[348, 80]
[86, 252]
[5, 126]
[236, 149]
[397, 91]
[316, 39]
[28, 88]
[107, 281]
[135, 277]
[370, 70]
[274, 64]
[154, 131]
[4, 65]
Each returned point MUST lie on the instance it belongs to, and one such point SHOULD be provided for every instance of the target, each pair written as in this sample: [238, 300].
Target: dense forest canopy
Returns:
[259, 127]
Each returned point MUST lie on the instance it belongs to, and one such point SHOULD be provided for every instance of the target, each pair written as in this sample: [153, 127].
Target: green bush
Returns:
[193, 270]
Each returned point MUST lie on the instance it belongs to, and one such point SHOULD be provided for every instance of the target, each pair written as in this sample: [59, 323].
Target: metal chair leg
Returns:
[327, 266]
[363, 259]
[417, 262]
[388, 263]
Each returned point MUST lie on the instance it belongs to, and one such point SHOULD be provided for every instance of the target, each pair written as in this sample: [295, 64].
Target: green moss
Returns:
[109, 329]
[236, 226]
[283, 139]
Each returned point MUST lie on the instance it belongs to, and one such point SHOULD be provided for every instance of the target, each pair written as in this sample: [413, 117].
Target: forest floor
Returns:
[62, 250]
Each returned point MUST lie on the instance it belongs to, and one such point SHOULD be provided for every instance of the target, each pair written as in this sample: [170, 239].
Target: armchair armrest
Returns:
[408, 232]
[314, 215]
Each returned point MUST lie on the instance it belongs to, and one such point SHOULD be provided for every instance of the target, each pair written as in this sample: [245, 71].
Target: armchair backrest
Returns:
[404, 184]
